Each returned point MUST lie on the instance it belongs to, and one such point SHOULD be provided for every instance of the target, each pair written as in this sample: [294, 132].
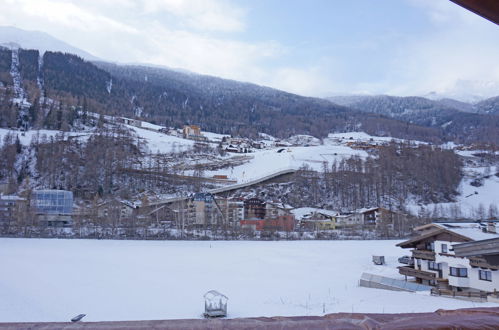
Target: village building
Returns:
[52, 208]
[199, 210]
[318, 219]
[10, 207]
[254, 208]
[115, 208]
[436, 262]
[231, 211]
[193, 132]
[131, 122]
[259, 215]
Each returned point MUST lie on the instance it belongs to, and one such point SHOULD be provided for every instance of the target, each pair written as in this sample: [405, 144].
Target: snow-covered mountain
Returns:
[12, 37]
[468, 91]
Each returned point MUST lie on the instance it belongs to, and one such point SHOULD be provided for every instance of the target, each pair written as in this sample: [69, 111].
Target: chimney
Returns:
[491, 227]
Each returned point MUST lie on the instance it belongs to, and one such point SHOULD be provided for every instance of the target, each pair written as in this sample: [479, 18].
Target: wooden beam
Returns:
[488, 9]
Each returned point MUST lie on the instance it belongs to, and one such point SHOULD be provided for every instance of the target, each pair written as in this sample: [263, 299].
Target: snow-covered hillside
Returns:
[306, 151]
[478, 193]
[54, 280]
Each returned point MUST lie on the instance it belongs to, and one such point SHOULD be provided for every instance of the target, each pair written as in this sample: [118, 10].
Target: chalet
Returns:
[316, 219]
[193, 132]
[436, 263]
[377, 216]
[484, 262]
[349, 219]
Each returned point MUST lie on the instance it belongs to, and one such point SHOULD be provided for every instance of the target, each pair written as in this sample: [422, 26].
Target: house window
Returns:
[485, 275]
[430, 246]
[432, 265]
[444, 248]
[458, 272]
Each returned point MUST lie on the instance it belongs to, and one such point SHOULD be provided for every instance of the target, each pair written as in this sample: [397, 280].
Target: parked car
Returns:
[406, 260]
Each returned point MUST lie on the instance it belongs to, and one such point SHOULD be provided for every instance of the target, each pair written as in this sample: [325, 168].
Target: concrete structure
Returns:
[381, 282]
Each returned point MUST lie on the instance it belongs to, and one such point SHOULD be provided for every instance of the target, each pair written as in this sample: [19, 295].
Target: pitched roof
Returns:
[431, 233]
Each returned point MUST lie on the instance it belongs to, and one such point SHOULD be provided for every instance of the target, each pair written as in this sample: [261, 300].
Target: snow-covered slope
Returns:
[478, 194]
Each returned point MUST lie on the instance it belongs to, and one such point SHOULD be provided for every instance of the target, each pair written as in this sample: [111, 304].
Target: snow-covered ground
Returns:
[54, 280]
[160, 142]
[471, 198]
[26, 137]
[268, 161]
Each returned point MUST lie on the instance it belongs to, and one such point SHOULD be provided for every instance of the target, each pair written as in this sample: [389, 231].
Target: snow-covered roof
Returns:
[471, 230]
[11, 198]
[364, 210]
[302, 212]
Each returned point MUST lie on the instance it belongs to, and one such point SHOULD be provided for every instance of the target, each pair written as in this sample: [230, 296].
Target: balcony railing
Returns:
[409, 271]
[423, 254]
[443, 292]
[480, 262]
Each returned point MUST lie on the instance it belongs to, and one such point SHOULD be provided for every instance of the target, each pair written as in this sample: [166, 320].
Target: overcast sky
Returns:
[310, 47]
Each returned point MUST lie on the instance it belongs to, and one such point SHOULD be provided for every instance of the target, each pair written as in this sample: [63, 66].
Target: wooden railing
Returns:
[409, 271]
[444, 292]
[423, 254]
[480, 262]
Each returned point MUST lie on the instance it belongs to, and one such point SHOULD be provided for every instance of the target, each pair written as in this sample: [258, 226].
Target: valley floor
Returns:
[55, 279]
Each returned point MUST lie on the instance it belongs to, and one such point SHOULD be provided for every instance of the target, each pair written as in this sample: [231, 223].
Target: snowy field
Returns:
[54, 280]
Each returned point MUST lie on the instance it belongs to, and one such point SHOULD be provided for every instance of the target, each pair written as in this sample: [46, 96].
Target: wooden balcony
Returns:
[409, 271]
[423, 254]
[480, 262]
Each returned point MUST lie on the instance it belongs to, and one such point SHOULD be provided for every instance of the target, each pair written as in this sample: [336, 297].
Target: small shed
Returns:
[379, 260]
[215, 304]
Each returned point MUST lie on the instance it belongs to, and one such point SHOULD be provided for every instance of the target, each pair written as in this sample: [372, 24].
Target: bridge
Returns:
[270, 176]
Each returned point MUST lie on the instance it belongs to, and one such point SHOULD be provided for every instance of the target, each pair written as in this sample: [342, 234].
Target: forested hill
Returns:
[48, 91]
[458, 121]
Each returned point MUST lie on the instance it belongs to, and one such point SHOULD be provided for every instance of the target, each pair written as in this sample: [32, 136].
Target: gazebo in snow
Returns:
[215, 304]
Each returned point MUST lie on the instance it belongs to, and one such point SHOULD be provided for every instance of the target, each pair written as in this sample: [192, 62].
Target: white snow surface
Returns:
[268, 161]
[301, 212]
[160, 142]
[470, 198]
[26, 137]
[54, 280]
